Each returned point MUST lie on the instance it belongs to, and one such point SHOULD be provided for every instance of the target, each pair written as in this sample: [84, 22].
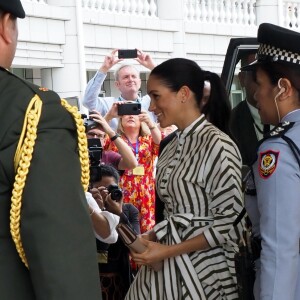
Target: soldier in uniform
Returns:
[275, 212]
[47, 246]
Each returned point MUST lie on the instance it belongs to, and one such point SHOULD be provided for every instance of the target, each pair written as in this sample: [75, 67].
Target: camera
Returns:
[95, 151]
[115, 192]
[127, 53]
[129, 108]
[88, 123]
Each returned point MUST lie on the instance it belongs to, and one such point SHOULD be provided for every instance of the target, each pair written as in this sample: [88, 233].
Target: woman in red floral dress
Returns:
[143, 136]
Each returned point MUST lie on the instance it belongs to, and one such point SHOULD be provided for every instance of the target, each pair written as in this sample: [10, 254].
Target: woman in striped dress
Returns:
[199, 181]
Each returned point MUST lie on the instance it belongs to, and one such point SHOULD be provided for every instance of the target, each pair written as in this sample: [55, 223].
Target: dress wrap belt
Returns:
[166, 230]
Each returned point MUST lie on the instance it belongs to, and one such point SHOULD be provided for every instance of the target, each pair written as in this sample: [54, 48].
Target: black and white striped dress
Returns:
[199, 179]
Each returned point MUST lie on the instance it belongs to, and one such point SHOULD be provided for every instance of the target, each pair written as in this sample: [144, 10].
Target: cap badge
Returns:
[43, 89]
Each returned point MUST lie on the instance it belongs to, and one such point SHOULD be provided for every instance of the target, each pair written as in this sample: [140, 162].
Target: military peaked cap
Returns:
[276, 44]
[14, 7]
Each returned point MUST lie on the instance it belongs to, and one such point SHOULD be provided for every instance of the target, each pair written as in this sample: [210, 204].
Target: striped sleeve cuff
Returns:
[213, 237]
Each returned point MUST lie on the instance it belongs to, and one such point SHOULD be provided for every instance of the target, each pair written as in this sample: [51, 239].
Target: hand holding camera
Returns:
[145, 60]
[113, 58]
[101, 122]
[121, 108]
[113, 198]
[97, 196]
[109, 61]
[115, 192]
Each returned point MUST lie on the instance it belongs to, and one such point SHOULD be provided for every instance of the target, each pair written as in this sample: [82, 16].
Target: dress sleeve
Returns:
[223, 187]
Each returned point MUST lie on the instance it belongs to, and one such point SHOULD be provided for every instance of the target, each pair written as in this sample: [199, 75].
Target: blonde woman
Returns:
[143, 137]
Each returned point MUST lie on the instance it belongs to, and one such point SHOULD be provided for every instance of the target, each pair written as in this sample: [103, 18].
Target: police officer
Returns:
[276, 211]
[47, 246]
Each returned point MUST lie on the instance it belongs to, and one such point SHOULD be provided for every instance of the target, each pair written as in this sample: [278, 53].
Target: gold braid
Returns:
[82, 144]
[23, 158]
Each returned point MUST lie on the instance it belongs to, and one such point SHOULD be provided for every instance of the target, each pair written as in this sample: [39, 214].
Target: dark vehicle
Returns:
[237, 48]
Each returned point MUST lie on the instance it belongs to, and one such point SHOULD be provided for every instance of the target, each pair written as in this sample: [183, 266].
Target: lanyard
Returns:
[136, 150]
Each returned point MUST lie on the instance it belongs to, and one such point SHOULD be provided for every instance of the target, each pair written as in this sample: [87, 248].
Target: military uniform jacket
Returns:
[56, 230]
[277, 180]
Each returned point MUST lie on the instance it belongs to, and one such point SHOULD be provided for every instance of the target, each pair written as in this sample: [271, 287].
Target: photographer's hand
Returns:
[154, 130]
[109, 61]
[145, 60]
[113, 111]
[103, 191]
[97, 117]
[97, 196]
[113, 206]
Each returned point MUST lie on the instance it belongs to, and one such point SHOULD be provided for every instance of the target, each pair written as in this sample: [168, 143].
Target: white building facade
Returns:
[63, 42]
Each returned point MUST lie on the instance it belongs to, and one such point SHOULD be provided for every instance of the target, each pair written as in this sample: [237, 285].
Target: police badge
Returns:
[267, 163]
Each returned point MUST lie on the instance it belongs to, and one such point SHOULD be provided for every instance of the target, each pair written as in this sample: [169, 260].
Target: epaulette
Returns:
[280, 129]
[277, 131]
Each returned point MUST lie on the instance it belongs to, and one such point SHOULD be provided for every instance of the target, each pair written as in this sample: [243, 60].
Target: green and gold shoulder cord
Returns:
[23, 158]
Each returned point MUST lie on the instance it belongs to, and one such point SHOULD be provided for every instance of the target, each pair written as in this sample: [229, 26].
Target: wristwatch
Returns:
[115, 137]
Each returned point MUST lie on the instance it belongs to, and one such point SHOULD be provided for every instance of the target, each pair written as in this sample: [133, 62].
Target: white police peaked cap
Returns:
[276, 44]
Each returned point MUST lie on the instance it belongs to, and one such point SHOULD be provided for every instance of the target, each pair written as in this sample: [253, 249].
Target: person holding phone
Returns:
[127, 81]
[122, 160]
[143, 137]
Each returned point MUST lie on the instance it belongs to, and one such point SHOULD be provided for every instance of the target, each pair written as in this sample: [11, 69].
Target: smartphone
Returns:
[130, 108]
[127, 53]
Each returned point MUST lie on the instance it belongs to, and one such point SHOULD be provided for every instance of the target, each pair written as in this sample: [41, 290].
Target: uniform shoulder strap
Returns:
[278, 131]
[294, 148]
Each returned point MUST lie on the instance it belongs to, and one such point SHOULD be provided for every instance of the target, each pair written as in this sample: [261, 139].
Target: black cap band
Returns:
[276, 44]
[14, 7]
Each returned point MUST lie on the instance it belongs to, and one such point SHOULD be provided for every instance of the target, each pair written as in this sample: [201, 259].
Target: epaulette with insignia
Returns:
[278, 131]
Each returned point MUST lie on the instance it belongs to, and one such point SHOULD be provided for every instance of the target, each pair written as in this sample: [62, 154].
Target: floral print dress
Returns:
[139, 189]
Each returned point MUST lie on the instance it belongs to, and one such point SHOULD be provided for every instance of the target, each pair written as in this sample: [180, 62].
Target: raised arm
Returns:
[145, 60]
[93, 88]
[128, 160]
[155, 132]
